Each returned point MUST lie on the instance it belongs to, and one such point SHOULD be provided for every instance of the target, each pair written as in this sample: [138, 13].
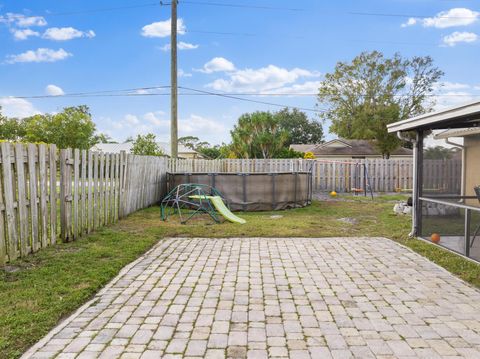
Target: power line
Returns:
[152, 4]
[391, 42]
[88, 11]
[222, 33]
[101, 93]
[246, 34]
[130, 93]
[250, 100]
[243, 6]
[110, 93]
[408, 16]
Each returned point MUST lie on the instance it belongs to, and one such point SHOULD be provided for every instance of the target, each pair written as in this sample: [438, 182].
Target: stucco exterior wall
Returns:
[472, 166]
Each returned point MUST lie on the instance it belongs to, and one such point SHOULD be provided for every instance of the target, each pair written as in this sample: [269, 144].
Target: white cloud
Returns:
[131, 119]
[53, 90]
[158, 123]
[186, 46]
[156, 118]
[66, 33]
[218, 64]
[308, 87]
[162, 28]
[17, 107]
[451, 86]
[453, 98]
[39, 55]
[410, 22]
[264, 79]
[199, 126]
[182, 73]
[24, 34]
[448, 94]
[450, 18]
[181, 46]
[31, 21]
[142, 92]
[458, 37]
[20, 20]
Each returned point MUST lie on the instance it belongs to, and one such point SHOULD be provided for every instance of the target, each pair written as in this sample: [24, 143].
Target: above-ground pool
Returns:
[254, 191]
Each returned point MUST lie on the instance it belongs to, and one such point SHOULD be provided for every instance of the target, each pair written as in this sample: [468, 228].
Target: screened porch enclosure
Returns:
[446, 201]
[456, 223]
[449, 205]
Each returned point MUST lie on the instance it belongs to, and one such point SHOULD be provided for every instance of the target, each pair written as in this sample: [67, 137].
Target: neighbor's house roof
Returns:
[127, 147]
[453, 117]
[343, 147]
[113, 147]
[302, 148]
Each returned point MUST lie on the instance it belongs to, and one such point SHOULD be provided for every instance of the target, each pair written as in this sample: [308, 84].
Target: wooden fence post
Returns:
[83, 193]
[42, 172]
[66, 194]
[90, 192]
[121, 209]
[75, 194]
[21, 198]
[3, 239]
[52, 153]
[32, 180]
[11, 235]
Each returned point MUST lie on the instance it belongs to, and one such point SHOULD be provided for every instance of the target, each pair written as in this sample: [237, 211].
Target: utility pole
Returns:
[174, 84]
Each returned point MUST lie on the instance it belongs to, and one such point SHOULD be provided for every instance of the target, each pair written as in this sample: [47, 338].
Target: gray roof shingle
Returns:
[343, 147]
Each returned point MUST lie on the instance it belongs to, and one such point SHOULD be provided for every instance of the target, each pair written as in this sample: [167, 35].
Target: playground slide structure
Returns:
[190, 199]
[221, 208]
[224, 211]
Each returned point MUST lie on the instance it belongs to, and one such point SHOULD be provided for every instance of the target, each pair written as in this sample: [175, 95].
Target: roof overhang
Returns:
[463, 116]
[458, 132]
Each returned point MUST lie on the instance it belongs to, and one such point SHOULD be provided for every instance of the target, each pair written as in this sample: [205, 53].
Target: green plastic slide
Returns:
[221, 208]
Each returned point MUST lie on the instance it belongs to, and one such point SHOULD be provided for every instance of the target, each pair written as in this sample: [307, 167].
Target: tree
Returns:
[301, 130]
[286, 152]
[146, 146]
[103, 138]
[192, 142]
[212, 152]
[203, 147]
[365, 95]
[71, 128]
[438, 153]
[258, 135]
[11, 129]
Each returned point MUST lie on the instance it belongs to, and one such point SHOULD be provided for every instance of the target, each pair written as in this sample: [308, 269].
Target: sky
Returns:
[116, 47]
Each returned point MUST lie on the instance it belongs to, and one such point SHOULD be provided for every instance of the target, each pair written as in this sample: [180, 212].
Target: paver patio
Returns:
[259, 298]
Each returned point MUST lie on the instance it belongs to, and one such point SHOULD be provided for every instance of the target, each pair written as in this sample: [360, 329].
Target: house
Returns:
[342, 149]
[183, 151]
[451, 212]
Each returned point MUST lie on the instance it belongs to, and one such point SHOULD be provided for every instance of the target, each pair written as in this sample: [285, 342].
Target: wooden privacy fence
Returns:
[442, 175]
[384, 175]
[48, 195]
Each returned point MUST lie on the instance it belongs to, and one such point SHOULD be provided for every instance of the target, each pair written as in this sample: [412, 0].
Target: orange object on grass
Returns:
[435, 237]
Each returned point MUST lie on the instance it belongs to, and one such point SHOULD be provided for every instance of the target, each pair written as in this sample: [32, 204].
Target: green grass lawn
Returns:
[37, 292]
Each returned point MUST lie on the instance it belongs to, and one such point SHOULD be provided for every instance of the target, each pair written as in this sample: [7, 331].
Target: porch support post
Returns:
[417, 184]
[467, 232]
